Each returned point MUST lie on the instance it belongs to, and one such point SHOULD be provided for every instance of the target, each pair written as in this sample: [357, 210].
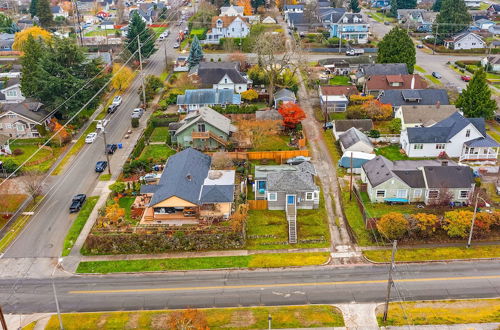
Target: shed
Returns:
[284, 96]
[358, 159]
[354, 140]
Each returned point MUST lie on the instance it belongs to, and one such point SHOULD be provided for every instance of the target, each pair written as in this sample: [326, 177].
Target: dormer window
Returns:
[219, 23]
[345, 20]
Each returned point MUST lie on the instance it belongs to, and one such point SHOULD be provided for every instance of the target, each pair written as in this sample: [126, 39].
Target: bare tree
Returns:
[221, 161]
[256, 130]
[32, 182]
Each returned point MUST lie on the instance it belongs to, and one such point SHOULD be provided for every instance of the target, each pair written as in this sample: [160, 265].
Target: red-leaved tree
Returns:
[292, 114]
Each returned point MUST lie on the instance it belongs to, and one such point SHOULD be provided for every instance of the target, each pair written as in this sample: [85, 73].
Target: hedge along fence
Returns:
[257, 155]
[152, 124]
[160, 243]
[235, 109]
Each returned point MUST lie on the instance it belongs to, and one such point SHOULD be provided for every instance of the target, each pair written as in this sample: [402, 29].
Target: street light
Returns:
[474, 218]
[55, 294]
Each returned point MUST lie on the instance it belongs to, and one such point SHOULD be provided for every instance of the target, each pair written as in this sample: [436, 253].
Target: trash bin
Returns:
[120, 145]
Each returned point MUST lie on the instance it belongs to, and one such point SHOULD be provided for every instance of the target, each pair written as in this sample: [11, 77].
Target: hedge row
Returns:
[232, 108]
[160, 243]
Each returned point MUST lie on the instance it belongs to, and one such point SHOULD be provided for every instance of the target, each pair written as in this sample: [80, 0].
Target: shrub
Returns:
[393, 225]
[360, 99]
[136, 166]
[395, 125]
[374, 134]
[484, 222]
[425, 223]
[134, 122]
[17, 152]
[10, 165]
[356, 112]
[117, 187]
[457, 223]
[249, 95]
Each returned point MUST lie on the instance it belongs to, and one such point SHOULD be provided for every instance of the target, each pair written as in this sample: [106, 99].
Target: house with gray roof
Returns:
[354, 140]
[417, 181]
[20, 120]
[465, 40]
[193, 99]
[189, 191]
[6, 41]
[399, 97]
[11, 91]
[423, 115]
[491, 63]
[220, 75]
[284, 96]
[202, 129]
[341, 126]
[455, 136]
[379, 69]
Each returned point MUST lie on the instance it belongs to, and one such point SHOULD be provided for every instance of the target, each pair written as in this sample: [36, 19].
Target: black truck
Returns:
[77, 202]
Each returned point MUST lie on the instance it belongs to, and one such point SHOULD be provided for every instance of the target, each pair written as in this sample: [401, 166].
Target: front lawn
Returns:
[160, 134]
[355, 220]
[339, 80]
[217, 318]
[13, 203]
[273, 143]
[429, 254]
[391, 152]
[101, 33]
[126, 203]
[441, 312]
[27, 148]
[158, 153]
[376, 210]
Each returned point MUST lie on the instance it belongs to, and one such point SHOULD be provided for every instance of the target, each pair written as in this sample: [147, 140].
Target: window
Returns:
[440, 146]
[225, 80]
[417, 193]
[463, 194]
[309, 196]
[20, 127]
[201, 127]
[12, 116]
[401, 193]
[467, 133]
[380, 193]
[272, 197]
[316, 195]
[8, 126]
[11, 93]
[433, 194]
[418, 146]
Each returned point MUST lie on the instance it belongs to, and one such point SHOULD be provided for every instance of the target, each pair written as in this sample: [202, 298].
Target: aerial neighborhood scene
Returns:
[249, 164]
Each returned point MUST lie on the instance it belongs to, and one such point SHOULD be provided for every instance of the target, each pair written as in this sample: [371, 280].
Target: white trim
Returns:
[312, 196]
[15, 113]
[431, 190]
[381, 190]
[272, 194]
[460, 194]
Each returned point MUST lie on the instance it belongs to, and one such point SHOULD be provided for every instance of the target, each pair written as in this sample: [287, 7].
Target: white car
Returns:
[176, 45]
[102, 123]
[298, 160]
[91, 137]
[117, 100]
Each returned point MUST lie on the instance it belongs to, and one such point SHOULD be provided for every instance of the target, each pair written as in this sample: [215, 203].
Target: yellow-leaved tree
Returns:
[37, 33]
[247, 7]
[121, 78]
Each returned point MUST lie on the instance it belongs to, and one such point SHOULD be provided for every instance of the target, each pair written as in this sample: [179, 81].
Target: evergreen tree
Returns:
[436, 6]
[44, 13]
[407, 4]
[257, 3]
[453, 17]
[354, 6]
[138, 27]
[33, 6]
[397, 47]
[475, 101]
[195, 53]
[394, 8]
[31, 65]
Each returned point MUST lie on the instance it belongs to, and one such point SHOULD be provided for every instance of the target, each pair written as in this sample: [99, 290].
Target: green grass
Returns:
[433, 80]
[13, 203]
[160, 134]
[95, 33]
[30, 326]
[157, 152]
[419, 69]
[376, 210]
[492, 191]
[383, 126]
[339, 80]
[217, 318]
[442, 253]
[391, 152]
[28, 149]
[251, 261]
[158, 30]
[334, 150]
[126, 203]
[441, 312]
[379, 17]
[105, 177]
[273, 143]
[355, 220]
[78, 224]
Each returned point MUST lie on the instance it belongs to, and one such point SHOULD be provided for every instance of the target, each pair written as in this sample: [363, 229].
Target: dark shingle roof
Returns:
[413, 178]
[449, 176]
[363, 125]
[378, 170]
[30, 110]
[383, 69]
[398, 97]
[290, 181]
[217, 194]
[212, 72]
[209, 96]
[353, 136]
[483, 142]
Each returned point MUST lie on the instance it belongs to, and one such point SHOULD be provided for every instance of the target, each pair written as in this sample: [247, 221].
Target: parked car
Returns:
[328, 125]
[102, 123]
[91, 137]
[465, 78]
[436, 75]
[111, 148]
[100, 166]
[386, 23]
[117, 100]
[112, 108]
[176, 45]
[150, 177]
[137, 113]
[420, 46]
[298, 160]
[77, 203]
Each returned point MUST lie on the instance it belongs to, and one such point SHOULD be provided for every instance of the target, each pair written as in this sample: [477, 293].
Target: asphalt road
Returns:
[314, 285]
[44, 235]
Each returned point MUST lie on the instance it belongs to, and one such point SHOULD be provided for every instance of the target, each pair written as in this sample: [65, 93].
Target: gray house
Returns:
[399, 97]
[379, 69]
[354, 140]
[343, 125]
[414, 181]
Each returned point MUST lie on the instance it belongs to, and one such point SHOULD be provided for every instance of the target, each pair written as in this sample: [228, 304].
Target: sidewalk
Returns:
[428, 246]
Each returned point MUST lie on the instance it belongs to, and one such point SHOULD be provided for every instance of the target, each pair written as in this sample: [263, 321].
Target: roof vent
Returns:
[214, 175]
[189, 177]
[444, 163]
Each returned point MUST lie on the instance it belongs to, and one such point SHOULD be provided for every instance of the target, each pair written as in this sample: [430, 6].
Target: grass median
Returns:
[78, 224]
[251, 261]
[441, 312]
[433, 79]
[429, 254]
[217, 318]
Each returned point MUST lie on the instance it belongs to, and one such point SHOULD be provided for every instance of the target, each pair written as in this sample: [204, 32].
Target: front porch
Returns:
[480, 150]
[178, 218]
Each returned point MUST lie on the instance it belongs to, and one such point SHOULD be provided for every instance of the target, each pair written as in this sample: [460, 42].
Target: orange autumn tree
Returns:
[247, 7]
[61, 134]
[377, 110]
[188, 319]
[292, 114]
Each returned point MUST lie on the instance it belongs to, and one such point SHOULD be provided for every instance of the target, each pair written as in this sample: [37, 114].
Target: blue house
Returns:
[380, 3]
[194, 99]
[350, 27]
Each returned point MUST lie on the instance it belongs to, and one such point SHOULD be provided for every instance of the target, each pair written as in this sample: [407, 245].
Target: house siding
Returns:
[9, 124]
[185, 139]
[280, 203]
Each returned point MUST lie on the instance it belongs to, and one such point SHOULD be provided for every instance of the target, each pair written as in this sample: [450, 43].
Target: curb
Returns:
[428, 261]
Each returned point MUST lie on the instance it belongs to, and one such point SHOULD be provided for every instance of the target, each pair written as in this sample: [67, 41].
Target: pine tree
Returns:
[394, 8]
[453, 17]
[195, 53]
[407, 4]
[475, 101]
[33, 6]
[31, 65]
[437, 5]
[397, 47]
[138, 27]
[354, 6]
[44, 13]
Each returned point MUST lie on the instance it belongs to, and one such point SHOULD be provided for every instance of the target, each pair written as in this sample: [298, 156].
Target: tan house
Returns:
[423, 115]
[21, 120]
[189, 191]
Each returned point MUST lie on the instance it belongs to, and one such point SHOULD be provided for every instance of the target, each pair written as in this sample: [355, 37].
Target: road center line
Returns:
[284, 285]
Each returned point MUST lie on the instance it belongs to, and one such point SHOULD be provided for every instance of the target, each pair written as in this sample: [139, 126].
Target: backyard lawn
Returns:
[217, 318]
[391, 152]
[339, 80]
[95, 33]
[160, 134]
[158, 153]
[273, 143]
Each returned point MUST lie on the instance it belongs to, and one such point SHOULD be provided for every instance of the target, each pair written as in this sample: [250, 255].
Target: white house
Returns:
[221, 75]
[484, 24]
[473, 3]
[455, 136]
[227, 27]
[232, 11]
[423, 115]
[12, 92]
[57, 11]
[493, 62]
[465, 40]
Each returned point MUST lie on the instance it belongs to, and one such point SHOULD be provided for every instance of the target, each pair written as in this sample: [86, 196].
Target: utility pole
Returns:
[350, 181]
[55, 295]
[2, 319]
[142, 75]
[340, 37]
[77, 12]
[106, 150]
[390, 281]
[269, 320]
[435, 38]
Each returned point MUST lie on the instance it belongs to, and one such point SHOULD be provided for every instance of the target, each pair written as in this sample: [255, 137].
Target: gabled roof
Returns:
[238, 9]
[218, 187]
[351, 18]
[383, 82]
[426, 115]
[27, 109]
[482, 142]
[353, 136]
[383, 69]
[398, 97]
[339, 90]
[449, 176]
[210, 116]
[269, 20]
[291, 182]
[211, 73]
[284, 94]
[363, 125]
[495, 6]
[493, 59]
[11, 82]
[209, 96]
[227, 20]
[460, 36]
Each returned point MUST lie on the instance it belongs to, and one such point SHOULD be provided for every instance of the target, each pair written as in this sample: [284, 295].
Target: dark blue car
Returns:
[100, 166]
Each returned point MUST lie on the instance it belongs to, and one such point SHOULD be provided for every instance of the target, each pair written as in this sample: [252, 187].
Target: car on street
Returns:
[436, 75]
[100, 166]
[420, 46]
[112, 108]
[117, 100]
[137, 113]
[298, 160]
[386, 23]
[91, 137]
[176, 45]
[102, 123]
[111, 148]
[465, 78]
[77, 202]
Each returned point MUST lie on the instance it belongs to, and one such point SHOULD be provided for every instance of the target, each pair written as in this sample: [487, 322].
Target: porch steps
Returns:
[291, 217]
[218, 138]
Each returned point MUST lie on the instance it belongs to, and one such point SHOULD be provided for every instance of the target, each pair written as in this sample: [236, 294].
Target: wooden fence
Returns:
[278, 156]
[257, 204]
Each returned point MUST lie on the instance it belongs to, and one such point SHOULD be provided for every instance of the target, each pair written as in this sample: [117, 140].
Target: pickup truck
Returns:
[354, 52]
[111, 148]
[77, 202]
